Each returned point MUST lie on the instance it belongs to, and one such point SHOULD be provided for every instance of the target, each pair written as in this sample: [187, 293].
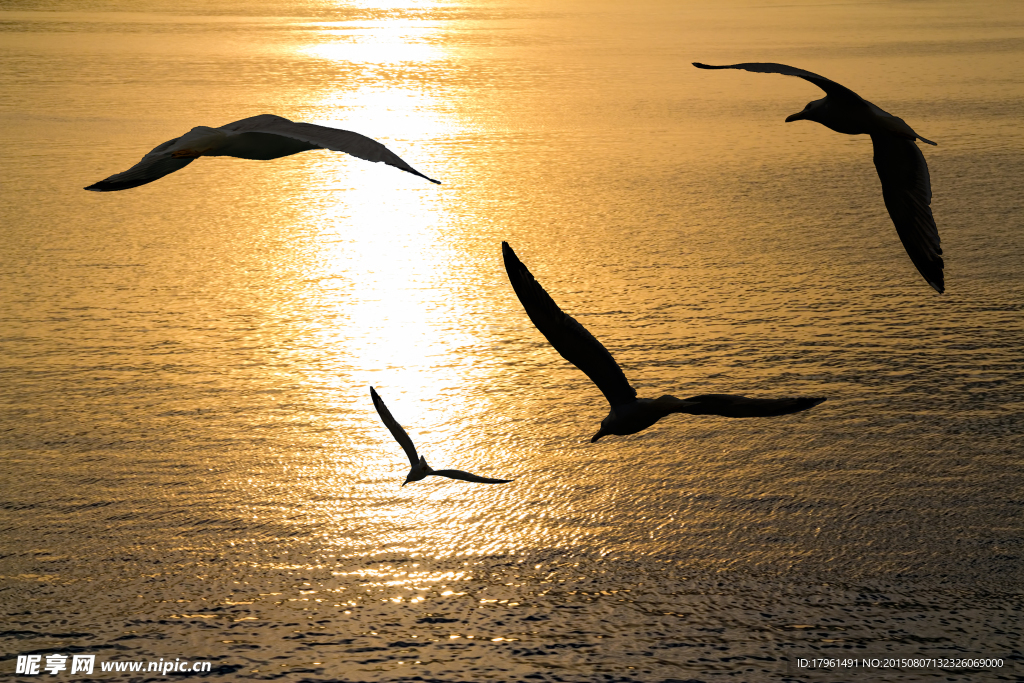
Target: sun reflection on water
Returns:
[378, 266]
[392, 42]
[389, 4]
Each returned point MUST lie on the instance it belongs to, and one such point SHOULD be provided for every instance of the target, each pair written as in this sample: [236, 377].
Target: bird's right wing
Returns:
[569, 338]
[396, 429]
[153, 166]
[907, 192]
[466, 476]
[322, 136]
[830, 87]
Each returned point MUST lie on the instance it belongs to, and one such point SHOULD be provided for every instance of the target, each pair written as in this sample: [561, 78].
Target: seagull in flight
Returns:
[901, 167]
[420, 468]
[628, 414]
[258, 137]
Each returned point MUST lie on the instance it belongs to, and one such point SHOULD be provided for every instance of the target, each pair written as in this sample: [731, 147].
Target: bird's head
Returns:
[419, 471]
[198, 142]
[603, 431]
[809, 113]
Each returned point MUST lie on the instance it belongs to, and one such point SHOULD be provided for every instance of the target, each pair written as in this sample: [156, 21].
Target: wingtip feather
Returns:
[377, 403]
[807, 402]
[507, 252]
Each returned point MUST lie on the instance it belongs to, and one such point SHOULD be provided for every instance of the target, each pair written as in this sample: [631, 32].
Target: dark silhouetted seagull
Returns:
[901, 167]
[628, 414]
[420, 468]
[258, 137]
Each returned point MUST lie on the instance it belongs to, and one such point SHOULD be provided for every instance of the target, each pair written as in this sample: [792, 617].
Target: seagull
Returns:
[901, 167]
[258, 137]
[628, 414]
[420, 468]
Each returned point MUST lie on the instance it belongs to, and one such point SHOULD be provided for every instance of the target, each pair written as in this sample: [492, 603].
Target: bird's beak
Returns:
[795, 117]
[600, 433]
[405, 482]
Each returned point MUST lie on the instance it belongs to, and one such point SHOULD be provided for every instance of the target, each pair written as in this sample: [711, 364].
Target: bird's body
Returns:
[419, 469]
[260, 137]
[627, 414]
[906, 186]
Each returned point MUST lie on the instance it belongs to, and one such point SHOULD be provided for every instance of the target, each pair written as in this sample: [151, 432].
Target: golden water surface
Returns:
[186, 365]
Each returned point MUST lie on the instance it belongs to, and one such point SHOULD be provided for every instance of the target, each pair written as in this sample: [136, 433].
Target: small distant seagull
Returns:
[258, 137]
[628, 414]
[901, 167]
[420, 468]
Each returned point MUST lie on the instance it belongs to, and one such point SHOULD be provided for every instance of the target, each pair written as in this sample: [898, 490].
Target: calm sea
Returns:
[192, 469]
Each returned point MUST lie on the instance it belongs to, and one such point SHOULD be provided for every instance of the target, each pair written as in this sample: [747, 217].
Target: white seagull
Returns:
[258, 137]
[420, 468]
[628, 414]
[906, 188]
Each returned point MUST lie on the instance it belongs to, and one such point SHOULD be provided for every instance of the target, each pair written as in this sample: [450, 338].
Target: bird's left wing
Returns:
[396, 429]
[466, 476]
[569, 338]
[907, 191]
[328, 138]
[731, 405]
[830, 87]
[155, 165]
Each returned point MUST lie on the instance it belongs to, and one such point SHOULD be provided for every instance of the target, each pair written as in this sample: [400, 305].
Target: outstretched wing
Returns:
[907, 191]
[830, 87]
[466, 476]
[569, 338]
[321, 136]
[396, 429]
[730, 405]
[155, 165]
